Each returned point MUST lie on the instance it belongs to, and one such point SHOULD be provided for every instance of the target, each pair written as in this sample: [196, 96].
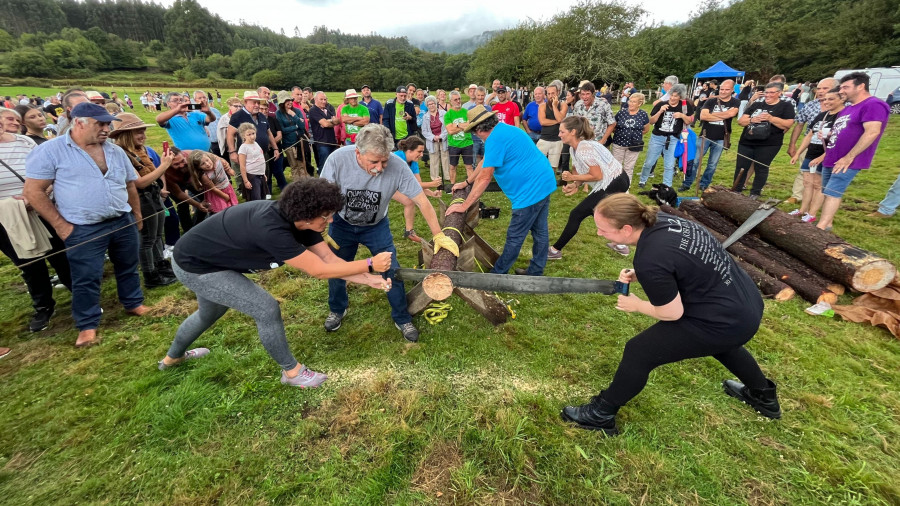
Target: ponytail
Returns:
[410, 143]
[581, 126]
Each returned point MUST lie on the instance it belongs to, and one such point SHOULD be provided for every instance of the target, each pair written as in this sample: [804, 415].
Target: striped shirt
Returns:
[13, 154]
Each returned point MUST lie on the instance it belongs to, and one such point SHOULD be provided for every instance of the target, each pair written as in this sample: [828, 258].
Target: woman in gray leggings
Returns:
[212, 258]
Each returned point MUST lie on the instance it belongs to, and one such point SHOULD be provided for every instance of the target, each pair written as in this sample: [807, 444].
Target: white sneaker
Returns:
[808, 218]
[795, 212]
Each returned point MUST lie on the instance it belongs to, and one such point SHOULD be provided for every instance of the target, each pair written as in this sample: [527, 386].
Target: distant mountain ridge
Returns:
[459, 46]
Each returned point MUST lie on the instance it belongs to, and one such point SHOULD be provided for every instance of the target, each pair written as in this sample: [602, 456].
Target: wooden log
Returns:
[768, 285]
[825, 252]
[437, 286]
[811, 285]
[417, 300]
[492, 308]
[444, 260]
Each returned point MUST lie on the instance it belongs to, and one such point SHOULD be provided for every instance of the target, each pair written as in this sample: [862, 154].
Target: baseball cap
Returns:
[89, 110]
[364, 87]
[401, 89]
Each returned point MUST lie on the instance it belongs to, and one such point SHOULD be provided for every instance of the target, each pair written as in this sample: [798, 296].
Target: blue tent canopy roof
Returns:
[719, 70]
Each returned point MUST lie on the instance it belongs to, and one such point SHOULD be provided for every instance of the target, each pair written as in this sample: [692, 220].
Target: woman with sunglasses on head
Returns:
[212, 259]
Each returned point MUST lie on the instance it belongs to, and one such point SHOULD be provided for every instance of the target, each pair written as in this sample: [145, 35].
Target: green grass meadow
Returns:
[469, 415]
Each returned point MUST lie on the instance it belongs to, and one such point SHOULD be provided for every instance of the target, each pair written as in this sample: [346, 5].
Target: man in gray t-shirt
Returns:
[369, 174]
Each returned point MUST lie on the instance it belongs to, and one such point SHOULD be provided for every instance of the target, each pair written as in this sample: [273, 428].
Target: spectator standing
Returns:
[34, 121]
[234, 105]
[201, 97]
[130, 134]
[477, 143]
[305, 156]
[631, 124]
[598, 112]
[14, 149]
[715, 129]
[470, 92]
[250, 113]
[400, 116]
[530, 117]
[252, 160]
[96, 201]
[293, 127]
[507, 110]
[374, 106]
[550, 115]
[322, 119]
[55, 108]
[744, 96]
[187, 128]
[435, 132]
[353, 115]
[768, 121]
[804, 117]
[72, 98]
[851, 146]
[668, 119]
[459, 140]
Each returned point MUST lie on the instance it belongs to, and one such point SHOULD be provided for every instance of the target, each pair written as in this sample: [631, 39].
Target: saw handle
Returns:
[621, 287]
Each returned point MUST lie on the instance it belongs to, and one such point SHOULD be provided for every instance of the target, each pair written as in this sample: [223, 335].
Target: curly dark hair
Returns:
[310, 198]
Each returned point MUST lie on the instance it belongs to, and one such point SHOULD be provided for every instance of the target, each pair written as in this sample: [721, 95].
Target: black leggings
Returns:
[761, 157]
[585, 209]
[667, 342]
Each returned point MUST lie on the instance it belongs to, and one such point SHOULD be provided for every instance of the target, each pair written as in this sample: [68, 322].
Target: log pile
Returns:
[783, 255]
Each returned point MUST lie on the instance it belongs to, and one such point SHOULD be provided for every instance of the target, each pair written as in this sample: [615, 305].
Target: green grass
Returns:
[469, 415]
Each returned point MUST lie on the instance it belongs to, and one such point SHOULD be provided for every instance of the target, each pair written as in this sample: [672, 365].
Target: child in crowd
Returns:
[214, 178]
[253, 163]
[411, 150]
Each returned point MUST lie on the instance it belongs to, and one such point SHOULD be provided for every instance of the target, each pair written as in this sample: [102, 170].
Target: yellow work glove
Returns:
[442, 241]
[329, 240]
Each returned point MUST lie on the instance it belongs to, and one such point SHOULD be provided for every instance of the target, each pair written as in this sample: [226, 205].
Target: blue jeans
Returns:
[322, 153]
[477, 148]
[535, 136]
[527, 219]
[377, 238]
[889, 205]
[656, 148]
[715, 149]
[690, 174]
[86, 262]
[276, 169]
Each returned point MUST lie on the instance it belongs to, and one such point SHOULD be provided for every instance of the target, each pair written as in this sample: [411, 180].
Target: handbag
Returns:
[757, 131]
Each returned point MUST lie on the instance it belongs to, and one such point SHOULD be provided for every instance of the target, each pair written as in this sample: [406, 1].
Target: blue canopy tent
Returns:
[719, 70]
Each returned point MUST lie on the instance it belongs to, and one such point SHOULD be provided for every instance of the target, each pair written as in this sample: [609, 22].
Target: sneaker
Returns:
[333, 321]
[796, 212]
[409, 331]
[621, 249]
[412, 235]
[684, 188]
[554, 256]
[190, 355]
[41, 319]
[808, 218]
[879, 214]
[521, 271]
[641, 185]
[306, 379]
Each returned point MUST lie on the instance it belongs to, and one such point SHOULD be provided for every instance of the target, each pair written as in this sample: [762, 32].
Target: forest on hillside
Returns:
[600, 41]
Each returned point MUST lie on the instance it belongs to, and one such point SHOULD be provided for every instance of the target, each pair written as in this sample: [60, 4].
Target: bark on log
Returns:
[444, 260]
[487, 304]
[823, 251]
[811, 285]
[768, 285]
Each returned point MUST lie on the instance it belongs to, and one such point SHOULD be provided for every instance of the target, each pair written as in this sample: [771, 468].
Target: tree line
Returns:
[596, 40]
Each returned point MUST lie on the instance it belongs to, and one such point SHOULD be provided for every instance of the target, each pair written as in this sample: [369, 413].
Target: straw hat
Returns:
[127, 121]
[252, 95]
[351, 93]
[284, 96]
[476, 115]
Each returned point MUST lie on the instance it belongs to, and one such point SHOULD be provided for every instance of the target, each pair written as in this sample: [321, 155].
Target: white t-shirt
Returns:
[256, 159]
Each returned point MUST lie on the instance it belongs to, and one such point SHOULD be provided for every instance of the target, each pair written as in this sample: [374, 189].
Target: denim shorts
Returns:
[804, 167]
[834, 185]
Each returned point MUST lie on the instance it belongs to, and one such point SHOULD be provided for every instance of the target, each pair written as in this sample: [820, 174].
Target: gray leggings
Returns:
[218, 291]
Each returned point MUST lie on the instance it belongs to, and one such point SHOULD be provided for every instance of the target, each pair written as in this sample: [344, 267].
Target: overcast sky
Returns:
[426, 25]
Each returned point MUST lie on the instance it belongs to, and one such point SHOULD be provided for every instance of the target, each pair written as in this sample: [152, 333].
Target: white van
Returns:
[882, 81]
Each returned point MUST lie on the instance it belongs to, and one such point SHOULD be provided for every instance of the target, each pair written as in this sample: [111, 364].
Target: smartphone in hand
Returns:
[194, 107]
[165, 148]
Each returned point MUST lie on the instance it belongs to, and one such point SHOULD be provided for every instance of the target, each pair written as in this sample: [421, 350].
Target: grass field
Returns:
[469, 415]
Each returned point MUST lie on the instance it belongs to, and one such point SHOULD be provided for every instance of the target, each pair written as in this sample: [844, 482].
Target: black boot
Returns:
[763, 400]
[596, 415]
[155, 279]
[165, 269]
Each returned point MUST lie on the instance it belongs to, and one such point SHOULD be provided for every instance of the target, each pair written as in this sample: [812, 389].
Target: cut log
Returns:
[417, 300]
[825, 252]
[487, 304]
[437, 286]
[808, 283]
[768, 285]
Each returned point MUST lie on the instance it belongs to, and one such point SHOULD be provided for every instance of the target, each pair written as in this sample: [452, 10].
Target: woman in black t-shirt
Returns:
[814, 143]
[212, 257]
[706, 304]
[764, 126]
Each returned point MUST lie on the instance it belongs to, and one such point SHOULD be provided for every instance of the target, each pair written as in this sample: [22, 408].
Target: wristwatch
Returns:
[369, 263]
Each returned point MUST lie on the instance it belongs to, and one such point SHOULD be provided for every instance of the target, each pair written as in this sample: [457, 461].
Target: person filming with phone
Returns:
[186, 122]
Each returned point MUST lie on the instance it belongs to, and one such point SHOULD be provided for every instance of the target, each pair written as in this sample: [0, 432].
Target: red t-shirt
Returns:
[507, 112]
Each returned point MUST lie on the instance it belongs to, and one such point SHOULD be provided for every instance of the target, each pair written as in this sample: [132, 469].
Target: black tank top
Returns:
[549, 133]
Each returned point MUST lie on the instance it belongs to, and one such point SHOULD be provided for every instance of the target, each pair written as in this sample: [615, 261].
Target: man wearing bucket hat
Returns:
[96, 201]
[524, 175]
[353, 115]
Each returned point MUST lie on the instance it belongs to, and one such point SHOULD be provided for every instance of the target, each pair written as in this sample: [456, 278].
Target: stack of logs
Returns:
[785, 256]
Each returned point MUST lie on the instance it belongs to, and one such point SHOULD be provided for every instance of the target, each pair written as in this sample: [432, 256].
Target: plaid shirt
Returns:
[599, 114]
[809, 113]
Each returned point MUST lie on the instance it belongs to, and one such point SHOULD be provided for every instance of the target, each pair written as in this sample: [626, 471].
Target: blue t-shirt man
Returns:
[523, 173]
[188, 132]
[531, 116]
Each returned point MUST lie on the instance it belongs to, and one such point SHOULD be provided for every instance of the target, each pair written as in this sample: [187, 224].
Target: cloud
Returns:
[466, 25]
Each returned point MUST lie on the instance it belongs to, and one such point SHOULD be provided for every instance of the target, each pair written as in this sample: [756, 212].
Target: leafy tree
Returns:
[7, 42]
[270, 78]
[27, 62]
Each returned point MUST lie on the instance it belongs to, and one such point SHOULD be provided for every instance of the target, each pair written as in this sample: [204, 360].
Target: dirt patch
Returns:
[759, 493]
[173, 306]
[432, 477]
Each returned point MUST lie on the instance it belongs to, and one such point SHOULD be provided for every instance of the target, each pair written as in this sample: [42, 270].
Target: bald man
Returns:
[804, 117]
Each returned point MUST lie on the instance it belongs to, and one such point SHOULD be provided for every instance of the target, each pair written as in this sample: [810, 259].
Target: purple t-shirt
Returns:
[848, 128]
